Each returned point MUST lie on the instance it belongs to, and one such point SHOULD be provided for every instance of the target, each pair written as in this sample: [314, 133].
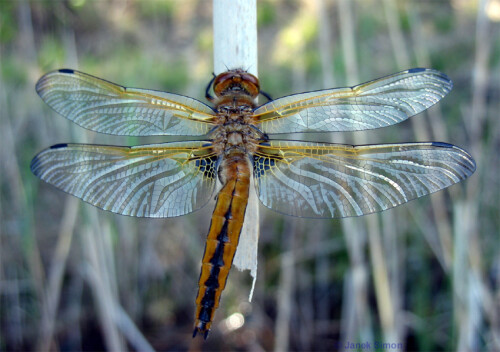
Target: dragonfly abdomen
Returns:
[223, 237]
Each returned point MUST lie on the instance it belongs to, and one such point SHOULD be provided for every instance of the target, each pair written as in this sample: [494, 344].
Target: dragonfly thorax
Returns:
[234, 108]
[236, 92]
[234, 139]
[232, 136]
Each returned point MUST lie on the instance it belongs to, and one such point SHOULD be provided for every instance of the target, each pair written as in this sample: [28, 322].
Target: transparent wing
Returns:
[378, 103]
[321, 180]
[105, 107]
[162, 180]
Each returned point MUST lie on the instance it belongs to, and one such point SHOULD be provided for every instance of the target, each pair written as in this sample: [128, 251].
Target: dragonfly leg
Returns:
[207, 91]
[266, 95]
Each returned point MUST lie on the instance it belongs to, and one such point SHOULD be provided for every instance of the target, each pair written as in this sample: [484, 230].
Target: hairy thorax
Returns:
[235, 131]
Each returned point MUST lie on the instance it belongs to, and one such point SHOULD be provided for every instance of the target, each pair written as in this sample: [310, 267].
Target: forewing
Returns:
[162, 180]
[378, 103]
[105, 107]
[322, 180]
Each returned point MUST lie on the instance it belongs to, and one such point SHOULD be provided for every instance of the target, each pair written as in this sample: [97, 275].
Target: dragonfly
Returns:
[236, 156]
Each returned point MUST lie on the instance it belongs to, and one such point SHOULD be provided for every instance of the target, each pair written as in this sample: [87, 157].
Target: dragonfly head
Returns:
[236, 81]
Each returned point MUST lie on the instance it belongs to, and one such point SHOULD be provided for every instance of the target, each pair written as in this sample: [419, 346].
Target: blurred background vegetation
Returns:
[424, 275]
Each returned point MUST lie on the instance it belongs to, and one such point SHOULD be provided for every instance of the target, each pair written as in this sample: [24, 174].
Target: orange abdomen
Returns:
[222, 239]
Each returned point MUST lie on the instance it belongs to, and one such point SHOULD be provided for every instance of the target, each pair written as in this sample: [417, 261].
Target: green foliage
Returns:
[152, 9]
[266, 13]
[205, 41]
[8, 25]
[51, 53]
[495, 54]
[76, 4]
[444, 24]
[13, 71]
[367, 26]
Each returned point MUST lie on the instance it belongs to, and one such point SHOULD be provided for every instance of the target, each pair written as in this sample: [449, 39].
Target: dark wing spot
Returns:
[60, 145]
[207, 166]
[67, 70]
[416, 70]
[261, 165]
[441, 145]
